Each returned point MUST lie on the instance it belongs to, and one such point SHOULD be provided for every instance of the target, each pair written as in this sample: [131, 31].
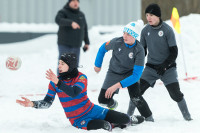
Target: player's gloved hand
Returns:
[162, 68]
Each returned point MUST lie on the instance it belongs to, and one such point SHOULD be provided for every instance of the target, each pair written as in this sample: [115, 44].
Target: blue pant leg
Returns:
[97, 112]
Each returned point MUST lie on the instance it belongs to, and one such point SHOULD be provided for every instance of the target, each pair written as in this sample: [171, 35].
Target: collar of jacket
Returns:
[159, 25]
[69, 75]
[130, 46]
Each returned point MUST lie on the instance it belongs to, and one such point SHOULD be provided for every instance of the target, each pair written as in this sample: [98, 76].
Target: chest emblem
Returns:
[130, 55]
[119, 49]
[148, 33]
[160, 33]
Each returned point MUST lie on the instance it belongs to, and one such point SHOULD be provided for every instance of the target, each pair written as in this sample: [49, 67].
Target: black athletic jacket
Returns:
[66, 34]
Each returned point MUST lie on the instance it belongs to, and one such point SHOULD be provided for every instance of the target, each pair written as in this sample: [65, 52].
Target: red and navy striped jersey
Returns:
[74, 107]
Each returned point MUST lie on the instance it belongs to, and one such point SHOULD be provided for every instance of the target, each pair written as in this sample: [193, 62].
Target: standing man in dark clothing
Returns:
[72, 29]
[158, 37]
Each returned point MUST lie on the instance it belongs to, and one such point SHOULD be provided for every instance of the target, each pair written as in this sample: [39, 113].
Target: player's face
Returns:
[152, 19]
[128, 38]
[74, 4]
[62, 67]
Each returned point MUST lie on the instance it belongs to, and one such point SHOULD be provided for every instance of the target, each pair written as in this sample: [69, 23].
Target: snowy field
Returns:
[40, 54]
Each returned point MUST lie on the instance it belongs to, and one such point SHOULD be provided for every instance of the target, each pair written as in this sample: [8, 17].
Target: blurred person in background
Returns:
[73, 29]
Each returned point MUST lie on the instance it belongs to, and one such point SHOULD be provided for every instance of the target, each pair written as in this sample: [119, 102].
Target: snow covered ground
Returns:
[40, 54]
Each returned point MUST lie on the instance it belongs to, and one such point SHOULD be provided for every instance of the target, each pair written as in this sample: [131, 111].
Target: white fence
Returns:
[97, 12]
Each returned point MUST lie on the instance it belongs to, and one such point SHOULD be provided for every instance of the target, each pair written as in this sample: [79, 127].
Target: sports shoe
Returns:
[114, 106]
[188, 118]
[136, 119]
[107, 126]
[149, 119]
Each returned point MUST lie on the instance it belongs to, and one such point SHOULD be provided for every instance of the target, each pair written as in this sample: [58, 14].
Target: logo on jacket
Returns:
[119, 49]
[130, 55]
[82, 77]
[148, 33]
[82, 122]
[160, 33]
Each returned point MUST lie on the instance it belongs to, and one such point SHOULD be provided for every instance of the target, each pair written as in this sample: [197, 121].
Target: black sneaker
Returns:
[188, 118]
[149, 119]
[136, 119]
[107, 126]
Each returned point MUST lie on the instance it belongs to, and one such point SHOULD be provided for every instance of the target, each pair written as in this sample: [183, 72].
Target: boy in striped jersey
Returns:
[71, 88]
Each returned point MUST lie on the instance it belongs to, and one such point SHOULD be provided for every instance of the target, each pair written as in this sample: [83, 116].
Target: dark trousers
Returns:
[138, 100]
[104, 101]
[135, 96]
[113, 117]
[173, 90]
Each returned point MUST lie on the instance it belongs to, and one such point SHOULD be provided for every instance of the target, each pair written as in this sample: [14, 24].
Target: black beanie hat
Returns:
[70, 59]
[153, 9]
[71, 0]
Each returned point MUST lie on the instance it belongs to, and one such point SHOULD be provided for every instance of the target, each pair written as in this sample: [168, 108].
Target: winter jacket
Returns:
[75, 106]
[160, 42]
[66, 34]
[125, 59]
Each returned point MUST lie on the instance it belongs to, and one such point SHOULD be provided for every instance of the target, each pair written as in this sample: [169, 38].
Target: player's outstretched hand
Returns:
[26, 102]
[51, 76]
